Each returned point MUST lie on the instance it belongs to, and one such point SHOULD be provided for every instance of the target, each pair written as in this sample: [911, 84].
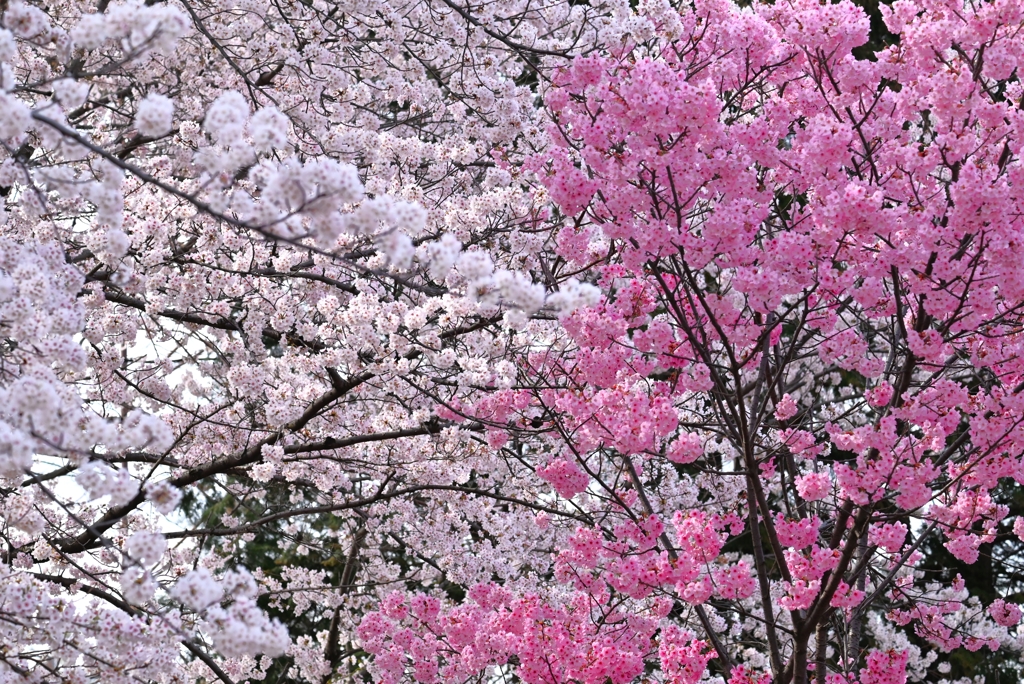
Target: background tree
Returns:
[242, 218]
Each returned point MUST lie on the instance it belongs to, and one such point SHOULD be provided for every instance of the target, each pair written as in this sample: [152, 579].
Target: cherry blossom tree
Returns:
[793, 381]
[566, 342]
[226, 288]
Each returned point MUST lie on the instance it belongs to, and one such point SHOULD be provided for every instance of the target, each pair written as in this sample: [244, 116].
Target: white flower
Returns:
[263, 472]
[476, 265]
[416, 318]
[145, 431]
[164, 496]
[92, 477]
[398, 247]
[445, 359]
[15, 117]
[369, 216]
[239, 583]
[334, 180]
[8, 288]
[442, 255]
[146, 548]
[116, 242]
[15, 452]
[91, 31]
[25, 21]
[572, 295]
[155, 115]
[8, 48]
[122, 488]
[409, 216]
[160, 25]
[225, 119]
[70, 93]
[137, 585]
[243, 629]
[99, 480]
[198, 589]
[268, 129]
[7, 80]
[518, 290]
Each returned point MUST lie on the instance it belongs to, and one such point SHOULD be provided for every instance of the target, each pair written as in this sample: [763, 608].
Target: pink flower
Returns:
[786, 408]
[686, 448]
[1005, 614]
[885, 667]
[846, 597]
[567, 479]
[735, 581]
[813, 486]
[880, 395]
[797, 534]
[889, 536]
